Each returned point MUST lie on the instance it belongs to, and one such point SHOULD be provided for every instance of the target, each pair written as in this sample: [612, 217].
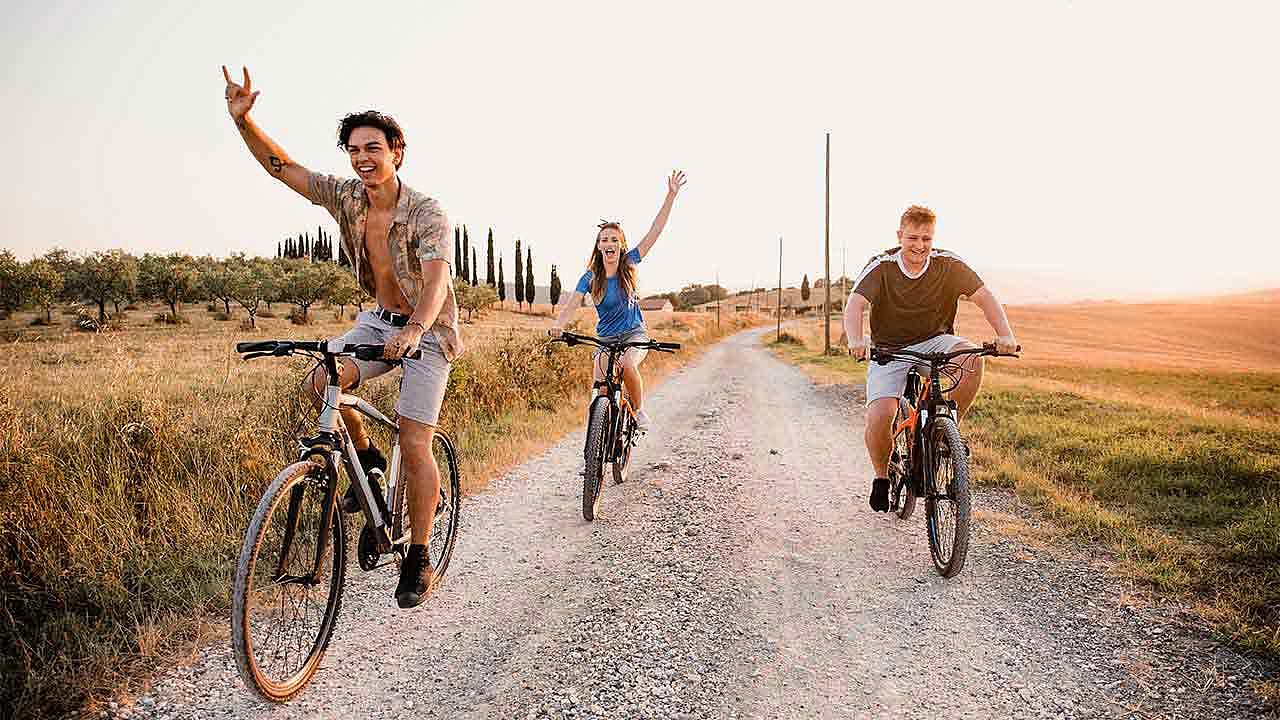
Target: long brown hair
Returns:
[626, 271]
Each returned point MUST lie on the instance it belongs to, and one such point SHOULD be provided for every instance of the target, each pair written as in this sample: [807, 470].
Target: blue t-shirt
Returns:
[617, 314]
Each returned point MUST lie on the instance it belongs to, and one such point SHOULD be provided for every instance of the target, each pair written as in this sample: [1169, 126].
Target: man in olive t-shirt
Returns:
[913, 291]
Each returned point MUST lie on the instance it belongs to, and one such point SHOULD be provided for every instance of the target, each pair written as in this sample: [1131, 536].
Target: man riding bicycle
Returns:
[398, 242]
[913, 291]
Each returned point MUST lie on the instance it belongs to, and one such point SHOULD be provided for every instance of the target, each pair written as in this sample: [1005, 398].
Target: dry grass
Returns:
[1150, 428]
[131, 461]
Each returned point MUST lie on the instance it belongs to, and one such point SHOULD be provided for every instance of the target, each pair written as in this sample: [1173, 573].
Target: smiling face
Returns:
[371, 156]
[610, 243]
[916, 240]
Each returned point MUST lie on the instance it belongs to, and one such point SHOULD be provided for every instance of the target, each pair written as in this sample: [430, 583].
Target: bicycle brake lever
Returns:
[253, 355]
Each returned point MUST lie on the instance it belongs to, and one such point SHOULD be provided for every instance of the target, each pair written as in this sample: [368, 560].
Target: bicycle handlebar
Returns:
[282, 348]
[572, 339]
[884, 357]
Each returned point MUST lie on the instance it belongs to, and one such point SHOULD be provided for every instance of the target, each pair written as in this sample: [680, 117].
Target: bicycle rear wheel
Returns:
[594, 452]
[947, 499]
[288, 584]
[622, 451]
[900, 462]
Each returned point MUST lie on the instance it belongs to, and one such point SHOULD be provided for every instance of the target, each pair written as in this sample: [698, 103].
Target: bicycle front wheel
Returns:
[288, 584]
[594, 453]
[947, 497]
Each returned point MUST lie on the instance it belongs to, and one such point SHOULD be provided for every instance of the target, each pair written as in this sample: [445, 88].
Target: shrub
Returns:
[164, 318]
[297, 317]
[39, 320]
[221, 316]
[267, 314]
[131, 306]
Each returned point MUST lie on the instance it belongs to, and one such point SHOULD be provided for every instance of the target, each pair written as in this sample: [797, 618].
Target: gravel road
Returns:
[739, 573]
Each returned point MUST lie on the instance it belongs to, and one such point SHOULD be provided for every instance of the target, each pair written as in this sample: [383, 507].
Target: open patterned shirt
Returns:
[419, 228]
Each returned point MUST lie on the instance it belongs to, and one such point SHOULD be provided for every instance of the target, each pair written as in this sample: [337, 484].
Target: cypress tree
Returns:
[279, 250]
[475, 276]
[530, 290]
[502, 284]
[466, 255]
[519, 275]
[488, 278]
[555, 287]
[457, 249]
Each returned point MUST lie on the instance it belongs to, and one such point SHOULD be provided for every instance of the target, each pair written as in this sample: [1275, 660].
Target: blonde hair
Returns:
[626, 271]
[917, 215]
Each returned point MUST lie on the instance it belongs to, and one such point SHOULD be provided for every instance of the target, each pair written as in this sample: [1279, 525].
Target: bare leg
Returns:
[422, 476]
[634, 384]
[967, 390]
[879, 434]
[347, 376]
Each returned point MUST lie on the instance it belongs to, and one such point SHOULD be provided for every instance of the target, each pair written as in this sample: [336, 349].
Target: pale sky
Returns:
[1123, 148]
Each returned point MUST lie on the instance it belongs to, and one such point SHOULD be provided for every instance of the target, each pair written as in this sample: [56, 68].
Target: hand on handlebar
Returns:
[1007, 345]
[860, 349]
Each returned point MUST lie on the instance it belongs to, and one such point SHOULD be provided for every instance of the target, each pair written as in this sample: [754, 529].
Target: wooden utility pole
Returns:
[826, 305]
[779, 335]
[718, 300]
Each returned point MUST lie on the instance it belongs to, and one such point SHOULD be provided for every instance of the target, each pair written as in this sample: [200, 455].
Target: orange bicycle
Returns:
[611, 423]
[930, 459]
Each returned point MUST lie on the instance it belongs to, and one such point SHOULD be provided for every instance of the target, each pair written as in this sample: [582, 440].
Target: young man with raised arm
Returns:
[398, 242]
[913, 291]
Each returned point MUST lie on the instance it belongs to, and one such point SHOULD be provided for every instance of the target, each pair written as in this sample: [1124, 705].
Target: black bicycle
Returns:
[292, 568]
[930, 459]
[611, 421]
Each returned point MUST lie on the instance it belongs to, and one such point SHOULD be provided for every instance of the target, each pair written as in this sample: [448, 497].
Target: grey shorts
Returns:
[638, 334]
[422, 381]
[888, 381]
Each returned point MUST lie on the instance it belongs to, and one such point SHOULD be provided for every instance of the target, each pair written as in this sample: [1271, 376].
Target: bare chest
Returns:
[377, 230]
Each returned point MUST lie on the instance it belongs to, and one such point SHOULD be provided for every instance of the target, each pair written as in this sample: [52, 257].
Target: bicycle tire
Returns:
[902, 460]
[594, 450]
[622, 455]
[948, 546]
[444, 527]
[445, 523]
[301, 521]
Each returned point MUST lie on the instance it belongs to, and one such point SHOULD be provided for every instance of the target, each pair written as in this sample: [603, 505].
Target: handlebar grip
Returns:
[265, 346]
[374, 352]
[668, 346]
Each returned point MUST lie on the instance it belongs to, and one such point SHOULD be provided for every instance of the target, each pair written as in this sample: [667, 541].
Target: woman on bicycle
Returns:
[611, 280]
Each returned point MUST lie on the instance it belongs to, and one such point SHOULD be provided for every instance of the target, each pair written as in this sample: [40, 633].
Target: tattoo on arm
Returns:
[276, 164]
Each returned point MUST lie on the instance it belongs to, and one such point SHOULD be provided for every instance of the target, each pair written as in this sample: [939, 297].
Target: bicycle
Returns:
[930, 458]
[611, 421]
[296, 542]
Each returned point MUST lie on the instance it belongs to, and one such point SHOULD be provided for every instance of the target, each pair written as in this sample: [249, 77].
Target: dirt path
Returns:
[740, 574]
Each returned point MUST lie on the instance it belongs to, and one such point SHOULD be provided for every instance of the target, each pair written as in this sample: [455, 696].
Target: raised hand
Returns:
[675, 182]
[239, 97]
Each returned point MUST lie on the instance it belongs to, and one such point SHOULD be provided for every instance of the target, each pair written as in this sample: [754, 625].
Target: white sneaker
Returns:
[642, 420]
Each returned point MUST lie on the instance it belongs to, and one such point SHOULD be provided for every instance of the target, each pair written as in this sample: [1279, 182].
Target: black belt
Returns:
[395, 319]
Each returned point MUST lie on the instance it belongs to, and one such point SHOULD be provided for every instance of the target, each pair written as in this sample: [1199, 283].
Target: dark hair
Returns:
[373, 119]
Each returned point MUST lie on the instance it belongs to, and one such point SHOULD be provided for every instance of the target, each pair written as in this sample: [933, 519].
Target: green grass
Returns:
[1189, 501]
[1254, 394]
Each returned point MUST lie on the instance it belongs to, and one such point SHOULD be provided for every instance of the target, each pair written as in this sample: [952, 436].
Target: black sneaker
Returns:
[417, 578]
[880, 494]
[374, 465]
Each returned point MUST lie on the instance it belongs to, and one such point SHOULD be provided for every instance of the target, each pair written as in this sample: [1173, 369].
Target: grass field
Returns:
[1153, 429]
[130, 463]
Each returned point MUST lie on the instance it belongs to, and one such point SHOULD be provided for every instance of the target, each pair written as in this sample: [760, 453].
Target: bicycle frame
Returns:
[333, 443]
[927, 397]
